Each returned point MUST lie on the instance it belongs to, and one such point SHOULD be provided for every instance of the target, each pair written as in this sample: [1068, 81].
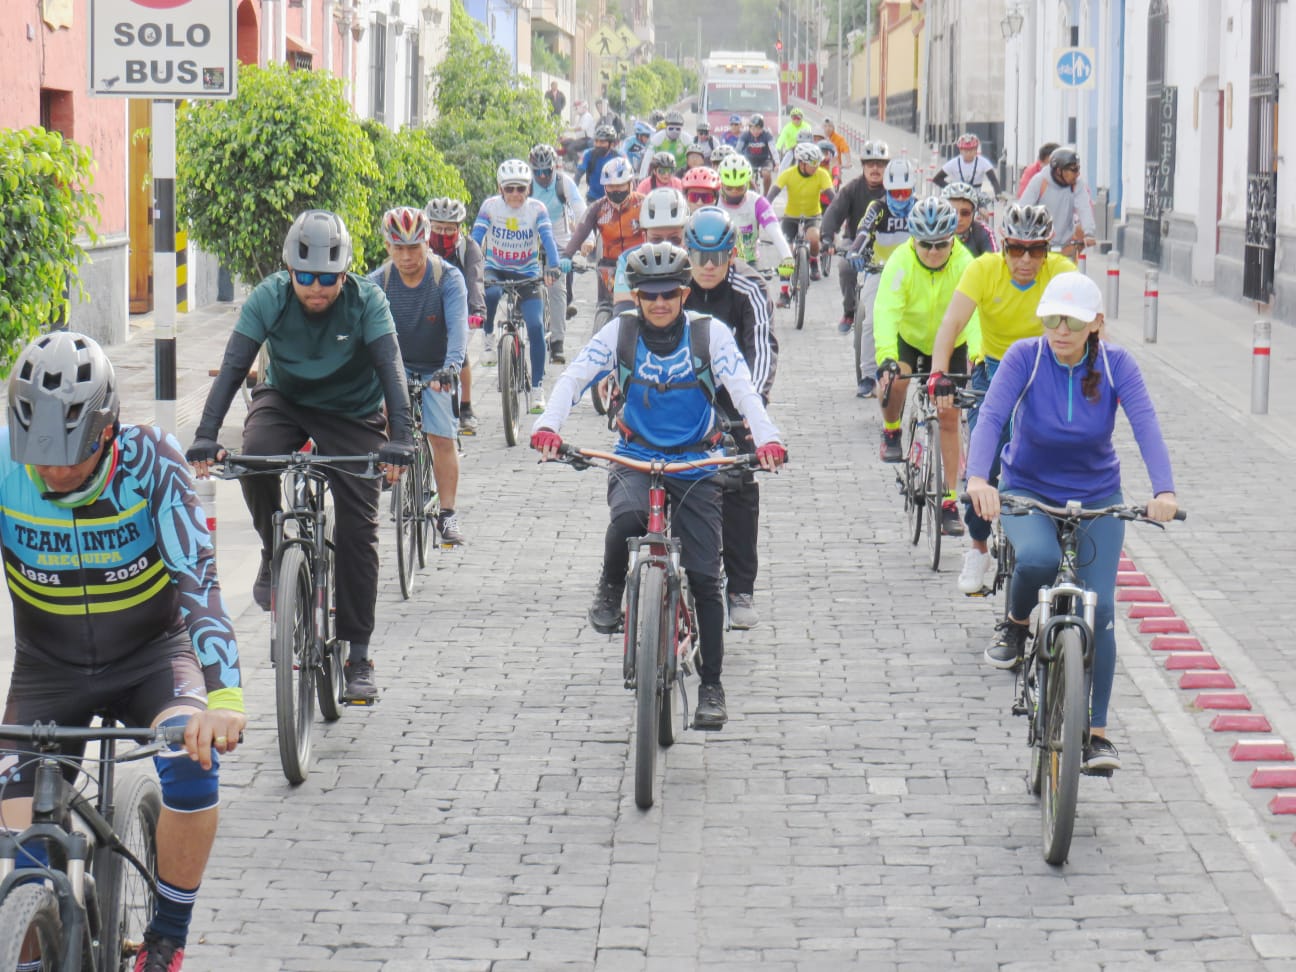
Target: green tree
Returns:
[486, 112]
[411, 170]
[45, 208]
[670, 79]
[644, 91]
[246, 167]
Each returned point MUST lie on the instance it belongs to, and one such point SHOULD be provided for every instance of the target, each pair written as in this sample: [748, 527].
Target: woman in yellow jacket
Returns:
[916, 286]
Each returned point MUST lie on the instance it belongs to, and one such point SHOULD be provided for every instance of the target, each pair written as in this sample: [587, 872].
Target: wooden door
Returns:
[139, 190]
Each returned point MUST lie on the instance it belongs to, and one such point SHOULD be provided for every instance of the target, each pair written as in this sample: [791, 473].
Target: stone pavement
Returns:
[864, 809]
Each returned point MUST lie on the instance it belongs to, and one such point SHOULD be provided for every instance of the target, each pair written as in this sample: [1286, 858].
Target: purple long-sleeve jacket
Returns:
[1061, 447]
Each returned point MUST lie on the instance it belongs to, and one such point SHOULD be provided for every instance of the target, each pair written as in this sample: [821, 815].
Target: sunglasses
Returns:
[542, 173]
[900, 194]
[509, 190]
[1036, 251]
[701, 197]
[665, 295]
[306, 279]
[935, 244]
[674, 129]
[1053, 321]
[703, 258]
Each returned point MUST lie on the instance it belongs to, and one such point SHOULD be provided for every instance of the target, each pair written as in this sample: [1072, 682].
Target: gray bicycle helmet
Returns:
[932, 219]
[543, 157]
[875, 150]
[62, 395]
[663, 160]
[443, 209]
[961, 190]
[720, 153]
[317, 242]
[827, 148]
[674, 118]
[1027, 224]
[1062, 157]
[605, 133]
[807, 152]
[654, 267]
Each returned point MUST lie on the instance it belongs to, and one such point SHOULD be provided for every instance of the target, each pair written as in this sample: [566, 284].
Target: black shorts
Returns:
[136, 689]
[694, 506]
[921, 363]
[788, 224]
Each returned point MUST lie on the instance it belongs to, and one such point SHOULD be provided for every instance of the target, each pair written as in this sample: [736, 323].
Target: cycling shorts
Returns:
[920, 362]
[788, 224]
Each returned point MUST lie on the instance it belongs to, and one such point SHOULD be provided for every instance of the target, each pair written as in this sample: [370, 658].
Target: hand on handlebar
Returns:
[1162, 507]
[552, 274]
[202, 454]
[395, 456]
[546, 442]
[565, 265]
[771, 456]
[941, 388]
[984, 497]
[218, 729]
[443, 379]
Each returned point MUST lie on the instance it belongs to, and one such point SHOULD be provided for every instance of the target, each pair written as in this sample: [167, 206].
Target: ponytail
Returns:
[1089, 386]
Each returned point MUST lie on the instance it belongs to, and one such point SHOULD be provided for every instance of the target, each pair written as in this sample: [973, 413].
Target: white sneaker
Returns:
[488, 354]
[972, 577]
[537, 400]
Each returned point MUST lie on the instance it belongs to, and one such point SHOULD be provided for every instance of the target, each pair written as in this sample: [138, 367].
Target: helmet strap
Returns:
[93, 486]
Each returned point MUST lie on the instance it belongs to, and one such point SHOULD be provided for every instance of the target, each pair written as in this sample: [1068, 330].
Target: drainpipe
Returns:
[1119, 164]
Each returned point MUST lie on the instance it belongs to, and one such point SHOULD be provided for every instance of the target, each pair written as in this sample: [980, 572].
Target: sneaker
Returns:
[784, 299]
[1009, 646]
[971, 578]
[261, 586]
[537, 400]
[742, 612]
[556, 355]
[711, 712]
[605, 612]
[158, 954]
[467, 421]
[814, 272]
[889, 451]
[360, 685]
[448, 529]
[1100, 755]
[571, 311]
[846, 323]
[867, 388]
[951, 520]
[487, 359]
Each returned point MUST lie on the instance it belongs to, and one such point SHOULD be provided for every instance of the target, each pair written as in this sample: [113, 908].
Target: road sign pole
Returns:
[164, 264]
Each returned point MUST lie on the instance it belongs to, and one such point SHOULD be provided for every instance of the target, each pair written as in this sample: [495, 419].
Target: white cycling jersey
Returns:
[754, 216]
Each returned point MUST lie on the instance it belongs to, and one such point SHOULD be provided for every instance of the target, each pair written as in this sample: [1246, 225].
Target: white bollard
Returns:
[206, 492]
[1082, 261]
[1261, 335]
[1150, 297]
[1113, 283]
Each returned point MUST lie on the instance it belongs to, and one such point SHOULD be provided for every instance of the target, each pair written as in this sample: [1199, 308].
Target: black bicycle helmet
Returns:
[1027, 224]
[62, 395]
[1063, 157]
[657, 266]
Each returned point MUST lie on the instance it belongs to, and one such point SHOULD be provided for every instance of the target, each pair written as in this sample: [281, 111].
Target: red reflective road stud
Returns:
[1283, 803]
[1240, 723]
[1273, 777]
[1171, 643]
[1132, 578]
[1126, 594]
[1138, 612]
[1163, 626]
[1258, 750]
[1125, 564]
[1199, 660]
[1206, 680]
[1222, 700]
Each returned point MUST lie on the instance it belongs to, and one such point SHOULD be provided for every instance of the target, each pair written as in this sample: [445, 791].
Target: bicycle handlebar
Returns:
[1011, 505]
[47, 734]
[235, 465]
[580, 459]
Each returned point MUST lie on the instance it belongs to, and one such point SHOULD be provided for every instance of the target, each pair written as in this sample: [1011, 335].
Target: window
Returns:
[56, 111]
[378, 70]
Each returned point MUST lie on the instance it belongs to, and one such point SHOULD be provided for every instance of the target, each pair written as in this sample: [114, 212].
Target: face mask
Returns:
[443, 244]
[619, 196]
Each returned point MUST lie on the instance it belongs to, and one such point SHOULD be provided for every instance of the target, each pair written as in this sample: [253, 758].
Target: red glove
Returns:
[939, 385]
[542, 439]
[475, 321]
[773, 452]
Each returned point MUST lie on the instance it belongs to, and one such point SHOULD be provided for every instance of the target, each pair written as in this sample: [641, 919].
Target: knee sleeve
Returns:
[186, 786]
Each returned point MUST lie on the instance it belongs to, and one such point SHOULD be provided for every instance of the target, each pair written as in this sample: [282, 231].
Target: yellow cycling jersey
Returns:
[803, 191]
[911, 300]
[1007, 311]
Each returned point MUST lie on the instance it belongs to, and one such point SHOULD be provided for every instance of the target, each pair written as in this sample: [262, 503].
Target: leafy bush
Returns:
[44, 208]
[246, 167]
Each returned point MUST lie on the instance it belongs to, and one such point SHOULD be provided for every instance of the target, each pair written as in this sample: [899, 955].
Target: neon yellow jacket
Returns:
[911, 300]
[788, 136]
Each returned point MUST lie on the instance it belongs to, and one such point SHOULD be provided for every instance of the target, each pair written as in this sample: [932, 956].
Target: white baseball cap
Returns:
[1071, 295]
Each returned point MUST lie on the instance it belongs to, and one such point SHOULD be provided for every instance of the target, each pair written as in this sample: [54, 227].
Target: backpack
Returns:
[437, 267]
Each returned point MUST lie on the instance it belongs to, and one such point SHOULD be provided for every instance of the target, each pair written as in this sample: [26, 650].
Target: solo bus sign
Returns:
[162, 48]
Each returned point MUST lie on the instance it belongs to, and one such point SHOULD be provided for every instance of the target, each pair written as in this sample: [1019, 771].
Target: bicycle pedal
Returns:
[1019, 710]
[1101, 773]
[361, 703]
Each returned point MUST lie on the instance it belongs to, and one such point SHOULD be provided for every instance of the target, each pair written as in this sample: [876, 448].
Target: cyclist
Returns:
[1067, 197]
[720, 153]
[969, 166]
[695, 157]
[805, 136]
[595, 158]
[446, 217]
[839, 143]
[806, 183]
[138, 629]
[662, 216]
[735, 133]
[973, 233]
[704, 138]
[757, 147]
[661, 175]
[884, 226]
[1064, 389]
[789, 136]
[429, 307]
[701, 187]
[845, 212]
[671, 418]
[1003, 289]
[731, 292]
[517, 241]
[916, 285]
[334, 360]
[636, 144]
[829, 153]
[616, 217]
[669, 139]
[1041, 161]
[563, 200]
[751, 213]
[608, 116]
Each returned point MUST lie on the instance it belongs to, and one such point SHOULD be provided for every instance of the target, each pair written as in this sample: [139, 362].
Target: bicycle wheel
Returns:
[825, 260]
[857, 336]
[1064, 727]
[649, 640]
[290, 650]
[31, 911]
[933, 491]
[677, 631]
[125, 901]
[330, 680]
[912, 482]
[405, 513]
[512, 407]
[523, 371]
[801, 285]
[429, 502]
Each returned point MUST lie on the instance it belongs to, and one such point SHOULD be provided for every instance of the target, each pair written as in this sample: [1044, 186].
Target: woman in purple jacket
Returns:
[1060, 392]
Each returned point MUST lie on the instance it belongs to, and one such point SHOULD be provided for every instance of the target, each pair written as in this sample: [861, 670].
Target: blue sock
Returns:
[174, 910]
[358, 652]
[33, 966]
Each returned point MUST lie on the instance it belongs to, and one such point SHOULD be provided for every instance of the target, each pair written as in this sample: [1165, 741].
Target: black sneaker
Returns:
[1009, 646]
[448, 528]
[951, 520]
[867, 387]
[1100, 755]
[556, 355]
[814, 270]
[261, 586]
[890, 448]
[784, 299]
[360, 685]
[571, 311]
[158, 954]
[711, 712]
[605, 612]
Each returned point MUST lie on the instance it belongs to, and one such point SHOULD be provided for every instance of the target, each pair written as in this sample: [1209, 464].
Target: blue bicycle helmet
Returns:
[642, 128]
[710, 230]
[932, 219]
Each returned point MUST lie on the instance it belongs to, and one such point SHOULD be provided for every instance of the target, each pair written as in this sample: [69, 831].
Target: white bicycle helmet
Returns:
[932, 219]
[443, 209]
[875, 150]
[961, 190]
[663, 208]
[807, 152]
[617, 171]
[513, 172]
[899, 175]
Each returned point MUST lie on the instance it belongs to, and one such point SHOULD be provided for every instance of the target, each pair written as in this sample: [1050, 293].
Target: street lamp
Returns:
[1012, 22]
[1011, 26]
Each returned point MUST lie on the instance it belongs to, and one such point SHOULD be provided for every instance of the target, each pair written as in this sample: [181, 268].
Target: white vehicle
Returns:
[739, 82]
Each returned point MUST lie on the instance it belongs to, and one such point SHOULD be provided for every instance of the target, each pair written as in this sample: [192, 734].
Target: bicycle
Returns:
[513, 357]
[920, 476]
[308, 658]
[1053, 680]
[600, 392]
[415, 503]
[88, 907]
[660, 628]
[800, 282]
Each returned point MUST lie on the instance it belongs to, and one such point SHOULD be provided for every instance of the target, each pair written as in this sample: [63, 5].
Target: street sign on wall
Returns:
[162, 48]
[1073, 67]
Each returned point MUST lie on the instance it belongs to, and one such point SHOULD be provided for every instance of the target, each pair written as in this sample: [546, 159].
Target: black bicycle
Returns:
[863, 308]
[415, 502]
[308, 658]
[86, 907]
[800, 282]
[513, 357]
